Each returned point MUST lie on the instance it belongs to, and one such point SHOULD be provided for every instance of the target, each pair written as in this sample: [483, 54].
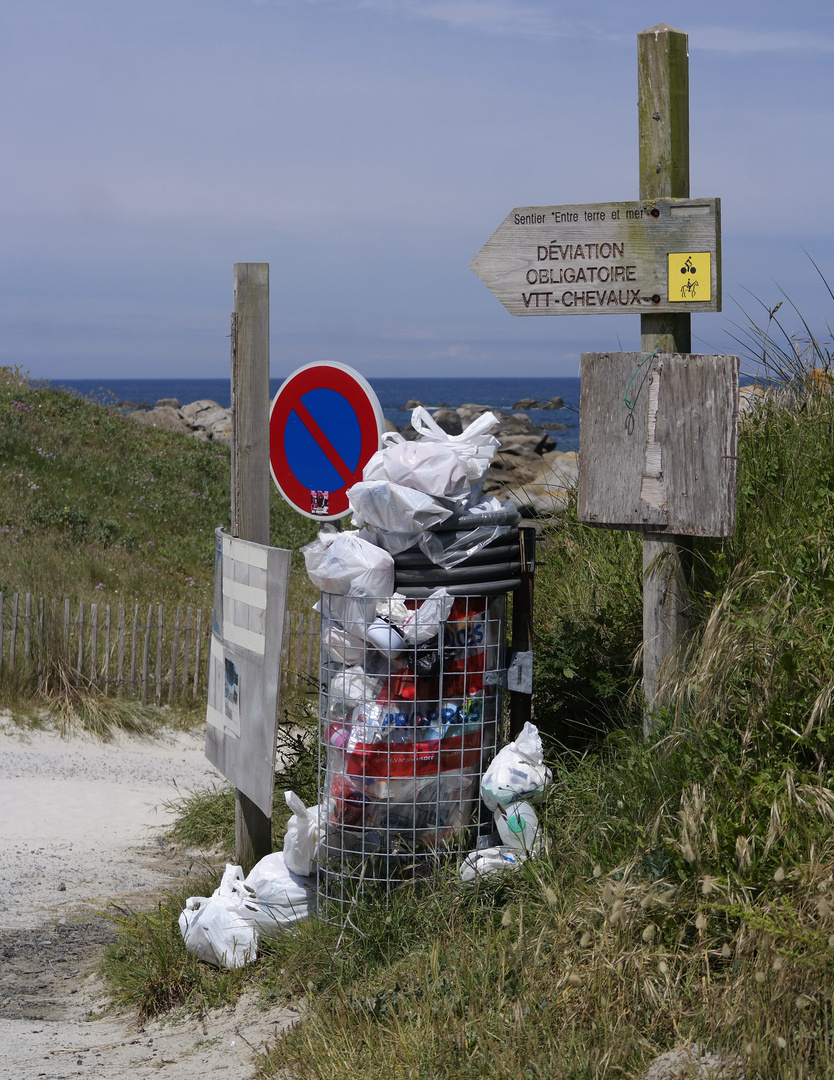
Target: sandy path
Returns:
[81, 825]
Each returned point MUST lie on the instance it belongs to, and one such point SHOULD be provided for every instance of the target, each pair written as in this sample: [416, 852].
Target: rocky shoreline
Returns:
[528, 468]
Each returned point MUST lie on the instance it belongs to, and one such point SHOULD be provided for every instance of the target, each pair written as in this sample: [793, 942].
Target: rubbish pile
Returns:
[223, 929]
[516, 778]
[413, 664]
[412, 633]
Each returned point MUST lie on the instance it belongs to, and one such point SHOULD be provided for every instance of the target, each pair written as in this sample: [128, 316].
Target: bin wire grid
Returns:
[408, 721]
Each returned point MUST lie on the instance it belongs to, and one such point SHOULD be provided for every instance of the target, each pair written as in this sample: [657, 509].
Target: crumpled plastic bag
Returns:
[223, 929]
[517, 771]
[427, 621]
[428, 466]
[447, 550]
[394, 609]
[491, 860]
[394, 508]
[301, 840]
[345, 564]
[475, 447]
[339, 644]
[354, 686]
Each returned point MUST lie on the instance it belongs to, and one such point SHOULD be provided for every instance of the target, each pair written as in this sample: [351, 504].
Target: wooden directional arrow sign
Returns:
[606, 258]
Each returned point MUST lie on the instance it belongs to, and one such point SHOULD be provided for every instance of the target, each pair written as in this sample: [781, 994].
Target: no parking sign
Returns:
[324, 425]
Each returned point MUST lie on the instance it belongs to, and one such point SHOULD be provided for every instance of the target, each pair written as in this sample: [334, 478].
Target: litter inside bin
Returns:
[412, 676]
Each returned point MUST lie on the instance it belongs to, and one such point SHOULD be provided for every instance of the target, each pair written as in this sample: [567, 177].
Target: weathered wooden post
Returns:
[658, 436]
[663, 105]
[250, 478]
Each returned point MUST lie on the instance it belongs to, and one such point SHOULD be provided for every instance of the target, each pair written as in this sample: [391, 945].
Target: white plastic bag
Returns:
[341, 646]
[427, 466]
[393, 609]
[345, 564]
[353, 615]
[475, 447]
[491, 860]
[518, 826]
[223, 929]
[353, 686]
[393, 508]
[301, 840]
[280, 896]
[517, 771]
[216, 928]
[427, 621]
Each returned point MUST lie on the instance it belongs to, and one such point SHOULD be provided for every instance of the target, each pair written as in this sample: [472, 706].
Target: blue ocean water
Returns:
[392, 393]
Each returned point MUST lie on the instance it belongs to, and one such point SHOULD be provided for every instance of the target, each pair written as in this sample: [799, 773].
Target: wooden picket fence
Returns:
[153, 653]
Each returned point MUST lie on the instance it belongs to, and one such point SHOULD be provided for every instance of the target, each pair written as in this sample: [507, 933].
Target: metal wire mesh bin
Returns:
[410, 704]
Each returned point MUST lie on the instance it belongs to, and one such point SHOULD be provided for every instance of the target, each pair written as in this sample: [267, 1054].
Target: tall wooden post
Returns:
[663, 103]
[250, 479]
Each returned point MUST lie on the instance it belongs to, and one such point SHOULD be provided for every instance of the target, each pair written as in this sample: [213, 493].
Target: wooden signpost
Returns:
[251, 582]
[659, 428]
[606, 258]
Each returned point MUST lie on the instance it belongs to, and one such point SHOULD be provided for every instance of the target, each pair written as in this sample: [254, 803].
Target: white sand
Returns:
[81, 825]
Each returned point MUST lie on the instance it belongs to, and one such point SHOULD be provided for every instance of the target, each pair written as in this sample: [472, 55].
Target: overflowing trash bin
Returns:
[413, 659]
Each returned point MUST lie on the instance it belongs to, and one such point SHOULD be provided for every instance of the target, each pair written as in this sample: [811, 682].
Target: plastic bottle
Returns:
[518, 825]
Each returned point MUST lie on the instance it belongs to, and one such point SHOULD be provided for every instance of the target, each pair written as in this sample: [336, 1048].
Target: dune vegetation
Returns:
[686, 889]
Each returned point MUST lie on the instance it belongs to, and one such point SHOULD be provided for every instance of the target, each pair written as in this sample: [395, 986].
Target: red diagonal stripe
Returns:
[308, 420]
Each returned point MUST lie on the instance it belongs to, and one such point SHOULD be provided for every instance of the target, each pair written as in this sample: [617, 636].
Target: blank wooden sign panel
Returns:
[658, 442]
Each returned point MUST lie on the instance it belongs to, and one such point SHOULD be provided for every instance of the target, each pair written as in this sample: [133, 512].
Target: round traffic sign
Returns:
[324, 425]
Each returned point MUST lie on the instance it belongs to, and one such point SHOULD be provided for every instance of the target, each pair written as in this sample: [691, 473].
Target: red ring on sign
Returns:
[359, 396]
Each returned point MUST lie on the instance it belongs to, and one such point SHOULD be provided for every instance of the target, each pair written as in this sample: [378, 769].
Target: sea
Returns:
[393, 394]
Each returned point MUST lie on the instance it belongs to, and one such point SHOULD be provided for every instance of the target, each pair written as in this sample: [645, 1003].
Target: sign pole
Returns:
[250, 479]
[663, 104]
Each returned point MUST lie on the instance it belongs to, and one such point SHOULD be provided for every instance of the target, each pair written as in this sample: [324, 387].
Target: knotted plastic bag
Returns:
[223, 929]
[301, 840]
[517, 771]
[475, 447]
[423, 465]
[346, 565]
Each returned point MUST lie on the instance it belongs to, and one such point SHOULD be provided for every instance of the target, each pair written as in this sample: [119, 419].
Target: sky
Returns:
[366, 150]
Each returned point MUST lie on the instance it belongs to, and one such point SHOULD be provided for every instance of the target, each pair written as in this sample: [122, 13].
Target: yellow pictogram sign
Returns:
[689, 276]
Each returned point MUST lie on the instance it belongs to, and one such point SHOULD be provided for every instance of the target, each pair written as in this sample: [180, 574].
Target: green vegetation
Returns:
[687, 891]
[96, 507]
[687, 887]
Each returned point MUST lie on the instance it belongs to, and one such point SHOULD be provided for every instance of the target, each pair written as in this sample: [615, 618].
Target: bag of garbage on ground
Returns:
[517, 771]
[223, 929]
[491, 860]
[516, 776]
[518, 828]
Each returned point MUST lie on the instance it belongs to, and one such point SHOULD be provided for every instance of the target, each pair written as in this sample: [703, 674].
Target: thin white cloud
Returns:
[725, 39]
[516, 17]
[491, 16]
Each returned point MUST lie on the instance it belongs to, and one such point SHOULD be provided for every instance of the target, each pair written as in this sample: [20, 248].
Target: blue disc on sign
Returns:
[334, 414]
